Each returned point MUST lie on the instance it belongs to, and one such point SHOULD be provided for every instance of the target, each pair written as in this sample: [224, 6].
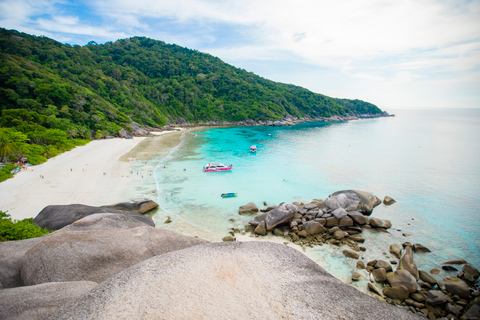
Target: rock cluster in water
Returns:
[339, 220]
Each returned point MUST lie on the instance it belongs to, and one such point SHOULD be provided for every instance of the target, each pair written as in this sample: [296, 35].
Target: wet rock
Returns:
[228, 239]
[379, 275]
[406, 263]
[469, 273]
[418, 248]
[351, 254]
[169, 220]
[449, 268]
[249, 208]
[402, 278]
[358, 217]
[457, 286]
[418, 297]
[435, 271]
[283, 213]
[360, 264]
[331, 222]
[436, 297]
[407, 244]
[395, 250]
[396, 293]
[359, 239]
[427, 277]
[346, 221]
[358, 275]
[261, 230]
[314, 227]
[388, 201]
[379, 223]
[383, 264]
[460, 261]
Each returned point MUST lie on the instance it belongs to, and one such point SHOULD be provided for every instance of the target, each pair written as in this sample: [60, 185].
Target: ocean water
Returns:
[428, 160]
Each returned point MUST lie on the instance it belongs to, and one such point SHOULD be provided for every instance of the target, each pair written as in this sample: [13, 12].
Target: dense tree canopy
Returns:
[57, 95]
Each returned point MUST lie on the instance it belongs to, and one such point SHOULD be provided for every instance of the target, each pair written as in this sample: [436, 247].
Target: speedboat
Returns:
[212, 167]
[228, 195]
[253, 148]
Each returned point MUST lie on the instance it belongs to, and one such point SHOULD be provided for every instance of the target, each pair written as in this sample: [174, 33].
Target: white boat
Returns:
[253, 148]
[212, 167]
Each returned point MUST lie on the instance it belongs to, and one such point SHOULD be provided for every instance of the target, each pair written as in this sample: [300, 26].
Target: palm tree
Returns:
[6, 148]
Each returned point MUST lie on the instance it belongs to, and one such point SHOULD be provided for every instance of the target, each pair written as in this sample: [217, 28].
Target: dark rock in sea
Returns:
[359, 239]
[461, 261]
[351, 254]
[358, 275]
[418, 248]
[449, 268]
[402, 278]
[469, 273]
[388, 201]
[379, 275]
[360, 264]
[95, 256]
[213, 271]
[228, 239]
[406, 263]
[427, 277]
[435, 271]
[379, 223]
[407, 244]
[395, 250]
[282, 213]
[383, 264]
[37, 302]
[340, 234]
[436, 297]
[169, 220]
[140, 205]
[55, 217]
[249, 208]
[457, 286]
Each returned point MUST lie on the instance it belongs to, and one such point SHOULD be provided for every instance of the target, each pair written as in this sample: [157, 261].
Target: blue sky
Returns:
[395, 54]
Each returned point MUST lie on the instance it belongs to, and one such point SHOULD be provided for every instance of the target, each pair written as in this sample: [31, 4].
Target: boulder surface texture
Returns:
[237, 280]
[55, 217]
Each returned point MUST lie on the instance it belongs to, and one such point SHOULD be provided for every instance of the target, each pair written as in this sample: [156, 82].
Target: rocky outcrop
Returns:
[352, 200]
[95, 256]
[249, 208]
[37, 302]
[279, 215]
[105, 221]
[55, 217]
[234, 278]
[140, 205]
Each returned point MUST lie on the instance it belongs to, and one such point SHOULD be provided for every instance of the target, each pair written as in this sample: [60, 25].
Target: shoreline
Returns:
[98, 173]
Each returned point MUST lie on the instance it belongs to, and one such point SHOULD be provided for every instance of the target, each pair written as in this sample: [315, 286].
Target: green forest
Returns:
[56, 96]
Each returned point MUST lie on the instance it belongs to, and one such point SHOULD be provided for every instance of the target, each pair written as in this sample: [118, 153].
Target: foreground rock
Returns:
[249, 280]
[37, 302]
[141, 205]
[95, 256]
[58, 216]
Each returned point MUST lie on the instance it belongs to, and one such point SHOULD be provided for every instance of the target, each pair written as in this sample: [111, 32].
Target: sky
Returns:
[395, 54]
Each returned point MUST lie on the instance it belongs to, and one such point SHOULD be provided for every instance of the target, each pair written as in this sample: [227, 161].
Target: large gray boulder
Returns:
[37, 302]
[96, 255]
[235, 280]
[282, 213]
[55, 217]
[140, 205]
[11, 255]
[105, 221]
[249, 208]
[352, 200]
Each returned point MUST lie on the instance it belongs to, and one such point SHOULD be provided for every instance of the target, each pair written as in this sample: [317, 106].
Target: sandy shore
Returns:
[99, 173]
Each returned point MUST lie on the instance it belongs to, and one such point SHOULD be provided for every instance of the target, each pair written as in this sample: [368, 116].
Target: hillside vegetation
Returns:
[55, 96]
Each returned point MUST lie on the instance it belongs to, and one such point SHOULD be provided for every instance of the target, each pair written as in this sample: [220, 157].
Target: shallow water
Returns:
[427, 160]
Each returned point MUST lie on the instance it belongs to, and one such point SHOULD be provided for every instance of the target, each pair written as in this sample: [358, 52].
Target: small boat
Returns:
[253, 148]
[229, 195]
[212, 167]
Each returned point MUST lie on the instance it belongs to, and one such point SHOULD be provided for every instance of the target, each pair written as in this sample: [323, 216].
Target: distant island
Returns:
[56, 96]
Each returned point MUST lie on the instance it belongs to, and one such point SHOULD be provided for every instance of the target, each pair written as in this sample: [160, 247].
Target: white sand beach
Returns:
[98, 173]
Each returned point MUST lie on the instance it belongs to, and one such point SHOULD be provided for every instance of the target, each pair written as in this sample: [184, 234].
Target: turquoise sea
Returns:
[428, 160]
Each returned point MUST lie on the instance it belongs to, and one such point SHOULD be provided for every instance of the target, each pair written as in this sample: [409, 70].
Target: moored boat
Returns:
[253, 148]
[228, 195]
[212, 167]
